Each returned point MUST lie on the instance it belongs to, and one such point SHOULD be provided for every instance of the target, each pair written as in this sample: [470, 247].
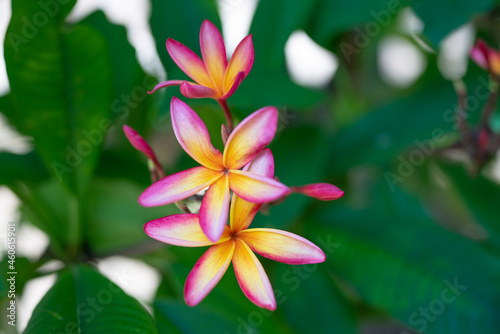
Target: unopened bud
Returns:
[321, 191]
[141, 145]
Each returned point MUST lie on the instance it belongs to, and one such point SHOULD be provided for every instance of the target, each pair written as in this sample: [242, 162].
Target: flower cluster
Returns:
[239, 180]
[478, 139]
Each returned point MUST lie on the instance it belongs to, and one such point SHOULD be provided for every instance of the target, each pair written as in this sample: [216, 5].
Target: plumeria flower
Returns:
[237, 245]
[213, 76]
[486, 57]
[220, 172]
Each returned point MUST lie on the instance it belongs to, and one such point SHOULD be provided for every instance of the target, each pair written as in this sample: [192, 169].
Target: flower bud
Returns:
[321, 191]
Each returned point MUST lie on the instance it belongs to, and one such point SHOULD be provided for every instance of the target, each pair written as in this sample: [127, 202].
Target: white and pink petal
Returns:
[180, 230]
[252, 277]
[241, 61]
[214, 53]
[255, 188]
[167, 83]
[193, 135]
[178, 186]
[189, 62]
[207, 272]
[282, 246]
[194, 91]
[249, 137]
[214, 209]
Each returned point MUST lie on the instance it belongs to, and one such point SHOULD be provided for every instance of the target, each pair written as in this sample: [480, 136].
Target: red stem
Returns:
[227, 113]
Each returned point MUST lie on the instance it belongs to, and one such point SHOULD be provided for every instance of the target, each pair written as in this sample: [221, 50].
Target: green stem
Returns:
[74, 227]
[460, 119]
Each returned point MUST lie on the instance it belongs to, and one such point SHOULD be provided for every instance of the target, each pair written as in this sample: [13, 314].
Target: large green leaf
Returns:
[170, 315]
[130, 83]
[45, 206]
[401, 262]
[25, 270]
[440, 18]
[60, 79]
[116, 218]
[273, 23]
[180, 20]
[480, 194]
[333, 17]
[326, 307]
[21, 167]
[84, 301]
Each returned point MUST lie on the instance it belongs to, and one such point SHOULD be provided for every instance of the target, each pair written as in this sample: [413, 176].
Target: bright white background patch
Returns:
[308, 63]
[400, 62]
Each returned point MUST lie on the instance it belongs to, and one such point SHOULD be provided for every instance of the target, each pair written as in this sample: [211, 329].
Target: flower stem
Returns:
[227, 113]
[460, 117]
[492, 101]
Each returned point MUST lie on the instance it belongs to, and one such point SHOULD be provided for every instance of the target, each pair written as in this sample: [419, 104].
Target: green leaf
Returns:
[116, 218]
[45, 205]
[25, 270]
[84, 301]
[297, 162]
[6, 103]
[60, 81]
[480, 194]
[21, 167]
[334, 17]
[180, 20]
[273, 23]
[177, 317]
[426, 114]
[273, 88]
[401, 262]
[326, 306]
[441, 18]
[130, 83]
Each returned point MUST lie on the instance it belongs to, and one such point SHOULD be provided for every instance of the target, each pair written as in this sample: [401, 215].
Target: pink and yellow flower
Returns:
[237, 245]
[213, 76]
[486, 57]
[220, 172]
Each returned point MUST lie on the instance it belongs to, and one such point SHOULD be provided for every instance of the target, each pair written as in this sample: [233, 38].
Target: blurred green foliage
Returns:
[422, 248]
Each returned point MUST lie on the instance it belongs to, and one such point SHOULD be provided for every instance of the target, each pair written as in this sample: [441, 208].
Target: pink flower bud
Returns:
[141, 145]
[486, 57]
[321, 191]
[480, 54]
[138, 142]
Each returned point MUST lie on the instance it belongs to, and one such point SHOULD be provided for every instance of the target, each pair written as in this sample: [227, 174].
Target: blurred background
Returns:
[367, 99]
